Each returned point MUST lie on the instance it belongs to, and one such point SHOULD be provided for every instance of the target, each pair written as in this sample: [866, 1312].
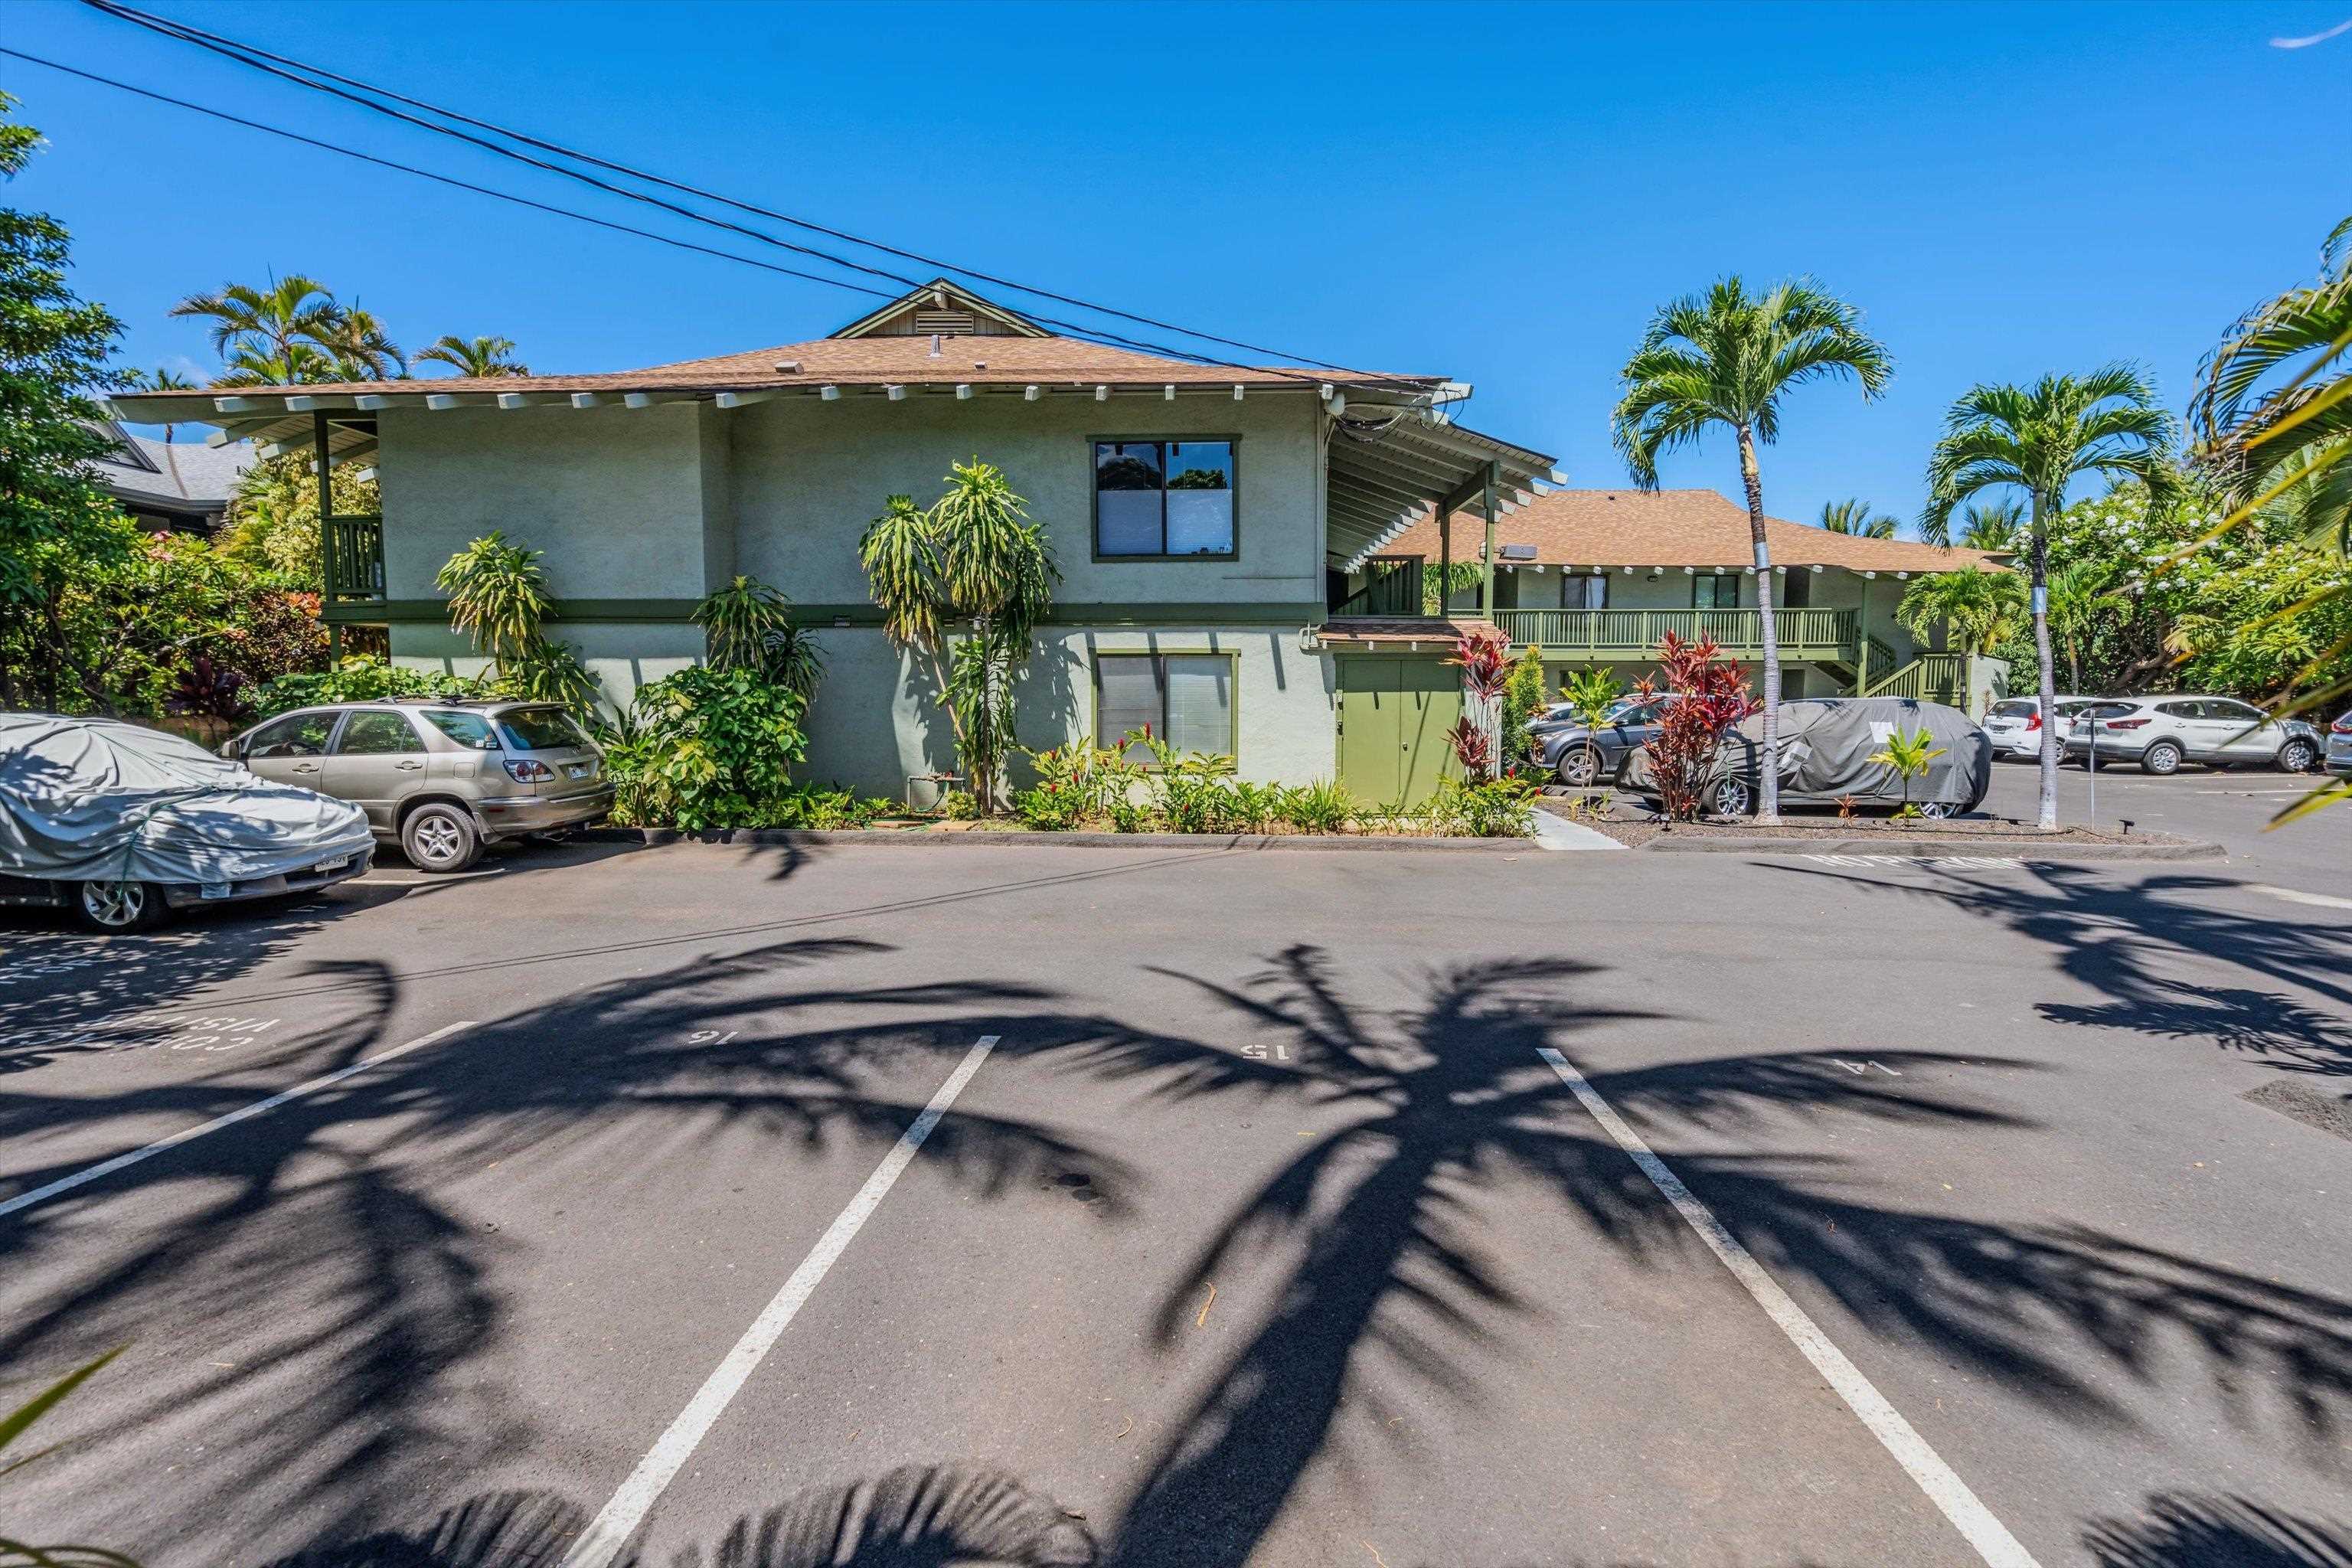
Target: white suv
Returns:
[2015, 722]
[2159, 733]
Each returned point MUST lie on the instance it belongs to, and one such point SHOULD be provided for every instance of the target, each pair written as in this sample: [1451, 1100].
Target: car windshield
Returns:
[471, 730]
[540, 729]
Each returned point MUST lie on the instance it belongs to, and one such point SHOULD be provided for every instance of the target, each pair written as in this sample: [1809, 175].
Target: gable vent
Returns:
[947, 323]
[1518, 552]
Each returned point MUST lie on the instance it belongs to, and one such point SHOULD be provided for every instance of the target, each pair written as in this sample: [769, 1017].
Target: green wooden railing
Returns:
[1636, 634]
[1930, 678]
[354, 560]
[1391, 587]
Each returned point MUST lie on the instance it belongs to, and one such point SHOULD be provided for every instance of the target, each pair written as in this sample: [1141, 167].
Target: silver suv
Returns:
[2159, 733]
[440, 779]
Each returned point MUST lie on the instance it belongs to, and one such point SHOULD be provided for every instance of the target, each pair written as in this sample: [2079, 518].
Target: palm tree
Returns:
[362, 349]
[2040, 439]
[254, 365]
[1853, 517]
[1992, 526]
[1724, 358]
[292, 312]
[2075, 590]
[476, 357]
[1981, 609]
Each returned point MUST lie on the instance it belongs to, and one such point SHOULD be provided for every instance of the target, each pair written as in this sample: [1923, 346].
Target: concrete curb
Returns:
[2006, 849]
[817, 838]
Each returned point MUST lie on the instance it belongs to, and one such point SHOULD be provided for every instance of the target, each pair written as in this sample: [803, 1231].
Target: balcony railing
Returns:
[354, 560]
[1636, 634]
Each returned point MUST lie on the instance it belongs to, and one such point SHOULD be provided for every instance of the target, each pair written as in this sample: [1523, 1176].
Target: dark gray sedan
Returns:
[1581, 756]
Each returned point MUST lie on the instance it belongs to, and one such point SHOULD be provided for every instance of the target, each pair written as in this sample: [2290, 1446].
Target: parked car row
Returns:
[1826, 744]
[118, 824]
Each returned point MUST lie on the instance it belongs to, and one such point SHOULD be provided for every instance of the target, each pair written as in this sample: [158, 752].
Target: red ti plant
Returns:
[1711, 697]
[1486, 662]
[1473, 750]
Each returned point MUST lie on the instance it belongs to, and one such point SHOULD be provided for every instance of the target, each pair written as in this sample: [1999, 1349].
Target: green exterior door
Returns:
[1393, 716]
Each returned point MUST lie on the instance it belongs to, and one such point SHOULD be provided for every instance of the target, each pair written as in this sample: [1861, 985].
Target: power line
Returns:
[251, 55]
[223, 114]
[229, 50]
[671, 240]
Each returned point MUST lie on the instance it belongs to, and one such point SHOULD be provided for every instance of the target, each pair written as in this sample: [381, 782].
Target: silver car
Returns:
[440, 779]
[2159, 733]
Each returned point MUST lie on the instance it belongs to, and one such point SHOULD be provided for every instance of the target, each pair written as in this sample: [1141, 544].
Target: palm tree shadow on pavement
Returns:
[1373, 1233]
[2129, 941]
[917, 1516]
[324, 1244]
[1375, 1228]
[2187, 1531]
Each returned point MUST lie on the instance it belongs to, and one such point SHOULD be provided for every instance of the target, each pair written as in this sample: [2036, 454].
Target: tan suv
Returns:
[440, 779]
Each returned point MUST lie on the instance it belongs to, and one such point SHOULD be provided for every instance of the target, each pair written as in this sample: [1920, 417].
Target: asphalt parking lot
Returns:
[903, 1206]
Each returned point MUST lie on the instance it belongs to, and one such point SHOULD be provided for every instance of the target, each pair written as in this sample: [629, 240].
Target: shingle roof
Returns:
[1668, 528]
[884, 361]
[185, 474]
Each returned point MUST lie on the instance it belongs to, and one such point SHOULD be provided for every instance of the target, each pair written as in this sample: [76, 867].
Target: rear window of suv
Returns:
[540, 729]
[2011, 709]
[471, 730]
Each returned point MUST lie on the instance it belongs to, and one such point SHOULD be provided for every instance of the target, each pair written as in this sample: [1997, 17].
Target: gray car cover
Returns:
[90, 800]
[1826, 745]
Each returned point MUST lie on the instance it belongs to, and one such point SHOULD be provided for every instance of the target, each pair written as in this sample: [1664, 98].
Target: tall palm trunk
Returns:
[2048, 688]
[1768, 793]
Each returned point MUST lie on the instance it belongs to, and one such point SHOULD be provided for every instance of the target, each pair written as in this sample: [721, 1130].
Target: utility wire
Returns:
[251, 54]
[440, 179]
[230, 50]
[509, 196]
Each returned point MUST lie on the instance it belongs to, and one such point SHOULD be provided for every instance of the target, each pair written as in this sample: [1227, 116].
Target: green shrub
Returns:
[1322, 806]
[960, 805]
[822, 810]
[359, 680]
[1498, 808]
[707, 748]
[1523, 699]
[1049, 808]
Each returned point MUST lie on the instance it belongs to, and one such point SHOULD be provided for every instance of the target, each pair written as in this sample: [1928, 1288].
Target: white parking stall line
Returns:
[1975, 1522]
[609, 1532]
[244, 1113]
[1940, 862]
[2297, 896]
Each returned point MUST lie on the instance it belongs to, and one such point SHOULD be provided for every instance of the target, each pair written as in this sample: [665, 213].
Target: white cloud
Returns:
[2336, 31]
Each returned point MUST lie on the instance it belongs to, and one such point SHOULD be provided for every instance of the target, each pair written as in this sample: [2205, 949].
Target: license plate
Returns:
[337, 864]
[577, 769]
[213, 891]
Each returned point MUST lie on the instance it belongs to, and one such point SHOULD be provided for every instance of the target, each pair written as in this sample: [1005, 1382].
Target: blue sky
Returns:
[1502, 193]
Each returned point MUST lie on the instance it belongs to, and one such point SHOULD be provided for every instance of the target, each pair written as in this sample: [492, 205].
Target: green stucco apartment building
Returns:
[1233, 540]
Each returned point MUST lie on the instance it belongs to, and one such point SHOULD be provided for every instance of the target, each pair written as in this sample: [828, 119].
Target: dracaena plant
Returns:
[1712, 699]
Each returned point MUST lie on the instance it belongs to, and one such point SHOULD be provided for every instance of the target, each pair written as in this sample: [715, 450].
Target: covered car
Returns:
[1826, 744]
[119, 823]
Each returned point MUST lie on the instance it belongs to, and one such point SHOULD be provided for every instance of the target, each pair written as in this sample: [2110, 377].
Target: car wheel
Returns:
[1580, 767]
[2164, 757]
[1730, 797]
[440, 838]
[2298, 756]
[116, 908]
[1939, 810]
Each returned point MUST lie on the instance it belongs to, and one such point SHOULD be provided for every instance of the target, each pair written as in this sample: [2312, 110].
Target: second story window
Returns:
[1715, 592]
[1156, 499]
